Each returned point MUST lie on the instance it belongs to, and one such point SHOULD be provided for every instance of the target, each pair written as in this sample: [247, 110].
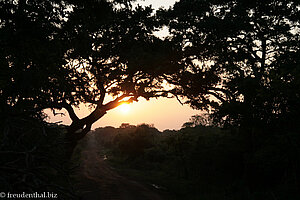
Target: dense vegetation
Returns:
[239, 60]
[33, 158]
[205, 162]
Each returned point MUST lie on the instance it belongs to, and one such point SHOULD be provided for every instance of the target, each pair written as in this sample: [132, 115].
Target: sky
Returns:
[162, 113]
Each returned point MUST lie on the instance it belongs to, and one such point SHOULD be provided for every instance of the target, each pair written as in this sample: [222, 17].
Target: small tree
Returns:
[199, 120]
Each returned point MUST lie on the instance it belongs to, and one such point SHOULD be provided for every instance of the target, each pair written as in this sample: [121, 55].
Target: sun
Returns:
[124, 108]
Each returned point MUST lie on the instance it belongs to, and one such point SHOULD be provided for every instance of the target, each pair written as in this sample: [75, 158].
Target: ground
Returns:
[98, 181]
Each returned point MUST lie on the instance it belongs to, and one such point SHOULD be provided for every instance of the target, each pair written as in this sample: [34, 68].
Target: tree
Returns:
[58, 54]
[122, 58]
[250, 48]
[199, 120]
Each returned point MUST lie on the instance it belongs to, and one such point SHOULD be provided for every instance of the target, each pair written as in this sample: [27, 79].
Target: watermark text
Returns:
[24, 195]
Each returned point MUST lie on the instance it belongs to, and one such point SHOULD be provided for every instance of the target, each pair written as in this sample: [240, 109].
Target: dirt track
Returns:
[98, 181]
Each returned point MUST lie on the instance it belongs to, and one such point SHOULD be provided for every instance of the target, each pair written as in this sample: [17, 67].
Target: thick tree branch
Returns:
[84, 125]
[71, 111]
[82, 133]
[115, 103]
[102, 94]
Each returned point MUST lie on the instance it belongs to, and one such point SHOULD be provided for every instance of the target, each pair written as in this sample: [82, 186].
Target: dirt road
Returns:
[98, 181]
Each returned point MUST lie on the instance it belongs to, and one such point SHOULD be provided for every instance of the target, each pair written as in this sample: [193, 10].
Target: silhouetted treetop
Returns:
[249, 45]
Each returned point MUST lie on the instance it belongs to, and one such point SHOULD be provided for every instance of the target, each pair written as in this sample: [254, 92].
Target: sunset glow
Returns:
[124, 108]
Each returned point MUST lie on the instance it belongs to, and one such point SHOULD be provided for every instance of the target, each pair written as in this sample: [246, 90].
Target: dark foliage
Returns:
[30, 55]
[58, 54]
[250, 48]
[207, 162]
[33, 158]
[238, 59]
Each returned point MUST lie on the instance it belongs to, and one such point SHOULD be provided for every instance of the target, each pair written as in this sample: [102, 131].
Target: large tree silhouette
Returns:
[58, 54]
[121, 58]
[252, 46]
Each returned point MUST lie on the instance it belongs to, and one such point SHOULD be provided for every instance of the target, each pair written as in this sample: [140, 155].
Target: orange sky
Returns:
[163, 113]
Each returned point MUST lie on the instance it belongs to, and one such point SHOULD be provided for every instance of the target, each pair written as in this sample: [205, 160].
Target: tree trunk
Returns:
[80, 127]
[69, 148]
[71, 141]
[78, 130]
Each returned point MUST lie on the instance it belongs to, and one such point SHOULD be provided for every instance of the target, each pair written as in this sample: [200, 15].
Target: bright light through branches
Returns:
[124, 108]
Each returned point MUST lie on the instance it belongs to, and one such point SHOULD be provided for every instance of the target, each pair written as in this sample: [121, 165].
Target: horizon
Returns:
[163, 113]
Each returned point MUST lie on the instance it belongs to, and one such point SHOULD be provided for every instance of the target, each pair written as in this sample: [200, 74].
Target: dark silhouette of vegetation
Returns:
[251, 49]
[239, 60]
[197, 120]
[33, 158]
[58, 54]
[205, 162]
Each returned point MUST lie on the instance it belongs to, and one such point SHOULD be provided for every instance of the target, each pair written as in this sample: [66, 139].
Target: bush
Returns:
[32, 157]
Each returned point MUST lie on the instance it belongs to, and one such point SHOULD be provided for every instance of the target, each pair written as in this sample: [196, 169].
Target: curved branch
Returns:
[82, 133]
[115, 103]
[71, 111]
[102, 94]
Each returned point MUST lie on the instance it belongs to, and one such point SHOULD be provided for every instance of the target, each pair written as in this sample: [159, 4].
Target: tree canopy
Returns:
[58, 54]
[252, 50]
[31, 50]
[238, 59]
